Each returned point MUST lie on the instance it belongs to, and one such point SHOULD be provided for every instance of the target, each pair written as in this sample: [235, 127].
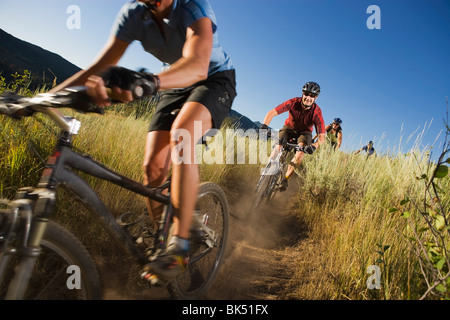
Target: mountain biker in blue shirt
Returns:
[200, 81]
[369, 149]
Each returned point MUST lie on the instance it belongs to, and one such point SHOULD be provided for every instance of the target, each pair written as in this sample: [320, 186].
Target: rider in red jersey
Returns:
[304, 115]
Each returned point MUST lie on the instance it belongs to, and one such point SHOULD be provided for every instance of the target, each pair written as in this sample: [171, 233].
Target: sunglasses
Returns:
[308, 94]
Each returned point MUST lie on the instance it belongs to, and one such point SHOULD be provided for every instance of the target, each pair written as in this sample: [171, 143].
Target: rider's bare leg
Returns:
[185, 175]
[156, 167]
[296, 161]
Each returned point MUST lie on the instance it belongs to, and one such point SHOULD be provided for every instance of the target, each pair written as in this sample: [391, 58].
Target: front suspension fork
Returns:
[23, 237]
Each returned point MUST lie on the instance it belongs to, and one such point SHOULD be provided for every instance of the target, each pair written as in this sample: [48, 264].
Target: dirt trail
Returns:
[258, 264]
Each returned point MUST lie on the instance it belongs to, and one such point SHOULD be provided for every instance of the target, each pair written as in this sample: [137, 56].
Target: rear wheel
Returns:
[207, 244]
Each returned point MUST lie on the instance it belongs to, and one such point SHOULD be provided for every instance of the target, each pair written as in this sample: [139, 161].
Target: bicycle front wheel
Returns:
[265, 186]
[261, 192]
[64, 269]
[273, 185]
[208, 244]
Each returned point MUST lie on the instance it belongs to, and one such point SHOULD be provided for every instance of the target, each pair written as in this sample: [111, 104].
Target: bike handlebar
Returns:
[305, 149]
[141, 84]
[17, 107]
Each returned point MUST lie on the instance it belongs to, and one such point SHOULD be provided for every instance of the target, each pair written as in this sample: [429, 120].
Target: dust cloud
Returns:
[251, 269]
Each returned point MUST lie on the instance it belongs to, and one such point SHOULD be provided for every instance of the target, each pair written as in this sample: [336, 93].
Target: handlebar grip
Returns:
[309, 149]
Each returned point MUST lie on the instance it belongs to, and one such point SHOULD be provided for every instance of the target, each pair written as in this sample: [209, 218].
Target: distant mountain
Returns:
[242, 122]
[17, 55]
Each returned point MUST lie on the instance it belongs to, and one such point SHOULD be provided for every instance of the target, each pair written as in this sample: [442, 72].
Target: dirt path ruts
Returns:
[258, 263]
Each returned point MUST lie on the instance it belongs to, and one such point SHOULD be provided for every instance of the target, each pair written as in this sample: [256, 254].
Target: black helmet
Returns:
[312, 87]
[337, 120]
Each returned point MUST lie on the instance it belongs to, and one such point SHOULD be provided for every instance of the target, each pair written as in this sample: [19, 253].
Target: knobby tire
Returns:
[204, 262]
[51, 278]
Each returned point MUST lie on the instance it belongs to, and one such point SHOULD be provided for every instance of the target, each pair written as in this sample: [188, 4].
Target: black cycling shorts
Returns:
[287, 133]
[216, 93]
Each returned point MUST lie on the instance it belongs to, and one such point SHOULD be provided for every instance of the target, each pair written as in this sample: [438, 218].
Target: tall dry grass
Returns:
[344, 201]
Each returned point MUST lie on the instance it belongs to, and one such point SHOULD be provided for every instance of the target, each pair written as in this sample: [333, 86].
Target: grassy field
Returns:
[352, 206]
[391, 212]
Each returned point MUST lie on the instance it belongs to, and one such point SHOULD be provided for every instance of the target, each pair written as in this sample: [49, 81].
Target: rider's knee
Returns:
[154, 173]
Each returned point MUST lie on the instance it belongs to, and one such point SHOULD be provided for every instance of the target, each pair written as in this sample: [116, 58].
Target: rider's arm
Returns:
[320, 141]
[190, 68]
[194, 63]
[269, 116]
[110, 55]
[339, 139]
[326, 129]
[320, 128]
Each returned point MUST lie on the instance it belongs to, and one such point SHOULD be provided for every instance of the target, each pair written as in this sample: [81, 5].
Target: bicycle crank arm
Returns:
[199, 256]
[211, 240]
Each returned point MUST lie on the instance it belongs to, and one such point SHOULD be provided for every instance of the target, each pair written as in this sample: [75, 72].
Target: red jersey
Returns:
[302, 120]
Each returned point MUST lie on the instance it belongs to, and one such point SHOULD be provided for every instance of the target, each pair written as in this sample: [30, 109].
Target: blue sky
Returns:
[386, 84]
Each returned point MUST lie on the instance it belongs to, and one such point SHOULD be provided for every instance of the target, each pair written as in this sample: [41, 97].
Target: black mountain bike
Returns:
[36, 253]
[274, 172]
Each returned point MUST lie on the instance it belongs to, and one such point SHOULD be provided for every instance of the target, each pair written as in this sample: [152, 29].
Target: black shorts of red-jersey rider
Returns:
[287, 134]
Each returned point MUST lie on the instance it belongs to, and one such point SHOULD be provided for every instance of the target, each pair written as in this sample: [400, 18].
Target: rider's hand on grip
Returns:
[266, 127]
[139, 83]
[310, 149]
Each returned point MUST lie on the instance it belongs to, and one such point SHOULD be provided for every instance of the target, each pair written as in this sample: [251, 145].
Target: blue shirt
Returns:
[134, 22]
[369, 151]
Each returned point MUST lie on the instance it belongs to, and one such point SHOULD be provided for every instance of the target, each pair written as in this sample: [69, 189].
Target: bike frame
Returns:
[279, 163]
[37, 206]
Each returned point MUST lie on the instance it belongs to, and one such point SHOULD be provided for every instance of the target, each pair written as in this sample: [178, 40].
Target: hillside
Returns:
[242, 122]
[17, 55]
